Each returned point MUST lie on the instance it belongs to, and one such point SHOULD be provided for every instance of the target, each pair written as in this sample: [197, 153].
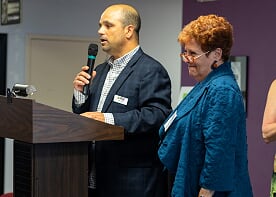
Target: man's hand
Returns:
[94, 115]
[82, 78]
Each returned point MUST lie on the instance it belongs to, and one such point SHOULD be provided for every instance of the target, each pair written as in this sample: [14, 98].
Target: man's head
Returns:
[119, 29]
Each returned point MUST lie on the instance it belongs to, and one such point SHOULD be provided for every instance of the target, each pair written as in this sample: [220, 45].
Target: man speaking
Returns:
[132, 90]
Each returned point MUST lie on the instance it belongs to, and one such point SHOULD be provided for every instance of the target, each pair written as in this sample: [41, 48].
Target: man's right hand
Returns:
[82, 78]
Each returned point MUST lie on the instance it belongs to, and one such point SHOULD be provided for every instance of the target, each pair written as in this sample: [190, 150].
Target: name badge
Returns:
[120, 99]
[170, 121]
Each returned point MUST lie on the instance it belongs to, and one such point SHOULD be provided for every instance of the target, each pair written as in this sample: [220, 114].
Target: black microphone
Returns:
[92, 53]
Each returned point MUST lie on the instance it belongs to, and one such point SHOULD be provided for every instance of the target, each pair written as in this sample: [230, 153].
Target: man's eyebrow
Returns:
[105, 23]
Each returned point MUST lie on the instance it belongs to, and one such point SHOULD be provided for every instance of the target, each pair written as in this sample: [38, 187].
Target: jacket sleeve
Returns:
[80, 109]
[222, 116]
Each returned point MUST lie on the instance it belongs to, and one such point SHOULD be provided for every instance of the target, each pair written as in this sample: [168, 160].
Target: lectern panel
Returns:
[23, 169]
[43, 170]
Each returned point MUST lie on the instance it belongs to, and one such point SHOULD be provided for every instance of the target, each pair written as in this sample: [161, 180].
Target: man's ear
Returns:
[129, 31]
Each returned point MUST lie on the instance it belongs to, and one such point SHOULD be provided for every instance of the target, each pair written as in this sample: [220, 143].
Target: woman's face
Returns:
[201, 66]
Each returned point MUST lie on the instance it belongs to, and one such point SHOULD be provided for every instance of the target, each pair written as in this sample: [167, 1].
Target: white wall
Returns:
[161, 23]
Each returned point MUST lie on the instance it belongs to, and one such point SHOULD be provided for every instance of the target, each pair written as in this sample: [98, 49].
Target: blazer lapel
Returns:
[191, 100]
[121, 79]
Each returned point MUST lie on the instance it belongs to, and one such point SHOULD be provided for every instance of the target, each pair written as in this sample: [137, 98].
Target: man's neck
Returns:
[125, 50]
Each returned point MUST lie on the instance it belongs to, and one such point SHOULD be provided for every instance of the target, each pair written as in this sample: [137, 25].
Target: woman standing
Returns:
[203, 141]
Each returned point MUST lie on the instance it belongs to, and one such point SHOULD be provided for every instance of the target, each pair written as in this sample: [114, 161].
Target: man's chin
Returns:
[105, 48]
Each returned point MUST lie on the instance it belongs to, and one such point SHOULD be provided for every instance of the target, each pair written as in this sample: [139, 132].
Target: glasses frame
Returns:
[191, 59]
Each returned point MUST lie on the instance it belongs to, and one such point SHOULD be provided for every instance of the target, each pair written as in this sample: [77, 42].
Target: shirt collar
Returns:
[122, 61]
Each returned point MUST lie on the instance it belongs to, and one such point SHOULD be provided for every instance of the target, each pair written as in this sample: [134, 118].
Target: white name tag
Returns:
[120, 99]
[170, 121]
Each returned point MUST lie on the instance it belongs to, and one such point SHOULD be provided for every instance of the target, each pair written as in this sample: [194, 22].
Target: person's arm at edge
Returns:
[269, 117]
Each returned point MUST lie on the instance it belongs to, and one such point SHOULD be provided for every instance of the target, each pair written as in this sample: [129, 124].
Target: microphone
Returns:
[92, 53]
[23, 90]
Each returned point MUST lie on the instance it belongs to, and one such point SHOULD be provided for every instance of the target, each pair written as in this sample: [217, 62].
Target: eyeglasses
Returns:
[191, 59]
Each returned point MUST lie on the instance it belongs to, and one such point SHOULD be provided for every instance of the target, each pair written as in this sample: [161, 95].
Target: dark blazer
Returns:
[131, 167]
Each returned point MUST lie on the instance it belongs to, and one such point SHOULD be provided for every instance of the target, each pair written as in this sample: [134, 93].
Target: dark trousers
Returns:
[157, 188]
[92, 192]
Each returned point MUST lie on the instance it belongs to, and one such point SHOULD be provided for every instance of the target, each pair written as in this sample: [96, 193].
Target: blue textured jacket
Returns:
[204, 142]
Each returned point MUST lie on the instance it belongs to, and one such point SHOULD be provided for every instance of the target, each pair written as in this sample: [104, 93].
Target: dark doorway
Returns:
[3, 77]
[3, 63]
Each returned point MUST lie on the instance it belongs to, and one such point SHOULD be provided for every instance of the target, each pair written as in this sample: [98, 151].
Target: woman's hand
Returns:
[205, 193]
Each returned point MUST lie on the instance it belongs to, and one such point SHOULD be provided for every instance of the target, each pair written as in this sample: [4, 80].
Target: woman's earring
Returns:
[214, 65]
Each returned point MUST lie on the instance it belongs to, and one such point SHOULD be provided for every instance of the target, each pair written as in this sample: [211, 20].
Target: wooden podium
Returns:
[50, 147]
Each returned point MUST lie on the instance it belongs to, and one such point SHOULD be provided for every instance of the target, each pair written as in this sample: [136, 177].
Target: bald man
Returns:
[133, 90]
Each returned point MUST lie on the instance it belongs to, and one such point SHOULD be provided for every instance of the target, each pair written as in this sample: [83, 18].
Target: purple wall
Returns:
[254, 25]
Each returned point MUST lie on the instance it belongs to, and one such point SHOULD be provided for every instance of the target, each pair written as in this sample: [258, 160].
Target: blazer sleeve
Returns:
[80, 109]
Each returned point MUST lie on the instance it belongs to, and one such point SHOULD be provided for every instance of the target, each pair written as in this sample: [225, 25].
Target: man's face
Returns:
[112, 32]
